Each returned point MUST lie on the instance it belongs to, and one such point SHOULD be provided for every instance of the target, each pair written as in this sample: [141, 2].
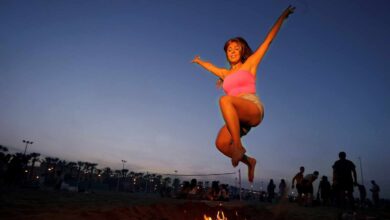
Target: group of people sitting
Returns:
[217, 192]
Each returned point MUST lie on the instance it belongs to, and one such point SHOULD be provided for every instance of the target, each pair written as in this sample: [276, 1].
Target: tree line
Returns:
[33, 171]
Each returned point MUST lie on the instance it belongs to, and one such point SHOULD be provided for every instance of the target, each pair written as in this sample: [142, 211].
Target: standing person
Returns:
[375, 193]
[271, 190]
[298, 179]
[344, 178]
[324, 190]
[241, 108]
[282, 188]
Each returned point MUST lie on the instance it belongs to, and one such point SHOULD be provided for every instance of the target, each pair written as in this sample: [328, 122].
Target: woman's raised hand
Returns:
[196, 59]
[289, 10]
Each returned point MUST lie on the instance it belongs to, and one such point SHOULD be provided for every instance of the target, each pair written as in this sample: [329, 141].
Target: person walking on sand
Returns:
[344, 179]
[241, 108]
[298, 182]
[324, 189]
[375, 193]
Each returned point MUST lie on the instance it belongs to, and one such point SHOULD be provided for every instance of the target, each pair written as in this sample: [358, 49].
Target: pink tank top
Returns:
[239, 82]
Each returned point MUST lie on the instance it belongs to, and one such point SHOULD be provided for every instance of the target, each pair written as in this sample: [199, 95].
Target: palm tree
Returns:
[167, 181]
[4, 149]
[176, 184]
[106, 174]
[55, 161]
[71, 167]
[4, 160]
[61, 165]
[124, 173]
[50, 165]
[80, 166]
[92, 167]
[118, 173]
[34, 158]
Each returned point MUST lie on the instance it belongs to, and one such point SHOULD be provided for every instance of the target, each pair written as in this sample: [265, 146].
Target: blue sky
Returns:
[103, 81]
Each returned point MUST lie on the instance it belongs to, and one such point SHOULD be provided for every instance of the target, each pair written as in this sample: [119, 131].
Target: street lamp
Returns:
[27, 143]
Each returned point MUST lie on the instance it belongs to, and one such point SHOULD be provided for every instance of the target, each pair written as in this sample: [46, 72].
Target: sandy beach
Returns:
[38, 204]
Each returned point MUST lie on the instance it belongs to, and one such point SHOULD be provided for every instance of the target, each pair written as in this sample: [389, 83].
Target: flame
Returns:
[220, 216]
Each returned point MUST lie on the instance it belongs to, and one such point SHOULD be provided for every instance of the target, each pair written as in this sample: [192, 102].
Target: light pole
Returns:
[27, 143]
[361, 170]
[123, 168]
[123, 162]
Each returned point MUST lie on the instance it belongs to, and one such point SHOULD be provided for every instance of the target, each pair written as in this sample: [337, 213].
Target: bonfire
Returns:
[220, 216]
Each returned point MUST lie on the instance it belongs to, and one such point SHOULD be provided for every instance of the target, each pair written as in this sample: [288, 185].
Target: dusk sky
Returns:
[104, 81]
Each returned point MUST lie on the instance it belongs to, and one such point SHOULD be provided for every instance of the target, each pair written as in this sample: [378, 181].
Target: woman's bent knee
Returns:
[221, 143]
[224, 100]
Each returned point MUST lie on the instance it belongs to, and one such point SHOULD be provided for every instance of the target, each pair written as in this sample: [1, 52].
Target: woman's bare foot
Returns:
[251, 168]
[237, 155]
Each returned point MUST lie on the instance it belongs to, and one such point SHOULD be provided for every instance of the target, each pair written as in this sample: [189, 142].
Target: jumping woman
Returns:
[241, 108]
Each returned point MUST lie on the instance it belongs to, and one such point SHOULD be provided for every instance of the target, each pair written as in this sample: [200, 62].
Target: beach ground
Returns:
[50, 204]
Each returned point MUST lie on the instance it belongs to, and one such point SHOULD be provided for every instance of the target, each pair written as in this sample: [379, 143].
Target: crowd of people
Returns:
[339, 192]
[54, 173]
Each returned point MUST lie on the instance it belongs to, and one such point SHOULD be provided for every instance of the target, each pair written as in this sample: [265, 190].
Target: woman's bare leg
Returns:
[224, 144]
[236, 111]
[251, 163]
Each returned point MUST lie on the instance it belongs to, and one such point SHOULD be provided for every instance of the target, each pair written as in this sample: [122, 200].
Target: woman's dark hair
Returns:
[246, 51]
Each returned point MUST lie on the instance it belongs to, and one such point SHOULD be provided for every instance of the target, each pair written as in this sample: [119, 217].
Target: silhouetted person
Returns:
[375, 193]
[282, 188]
[224, 195]
[298, 179]
[362, 194]
[324, 190]
[344, 178]
[271, 190]
[183, 193]
[214, 192]
[192, 194]
[307, 187]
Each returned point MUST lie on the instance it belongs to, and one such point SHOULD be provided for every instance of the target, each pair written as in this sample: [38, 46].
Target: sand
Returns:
[38, 204]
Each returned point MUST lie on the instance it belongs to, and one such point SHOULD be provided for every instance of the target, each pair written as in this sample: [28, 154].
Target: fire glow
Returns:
[220, 216]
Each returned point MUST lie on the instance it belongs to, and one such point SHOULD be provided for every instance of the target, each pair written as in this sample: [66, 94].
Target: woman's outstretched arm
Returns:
[220, 72]
[258, 55]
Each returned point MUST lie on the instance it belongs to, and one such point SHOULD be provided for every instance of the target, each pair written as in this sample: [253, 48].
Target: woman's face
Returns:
[233, 53]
